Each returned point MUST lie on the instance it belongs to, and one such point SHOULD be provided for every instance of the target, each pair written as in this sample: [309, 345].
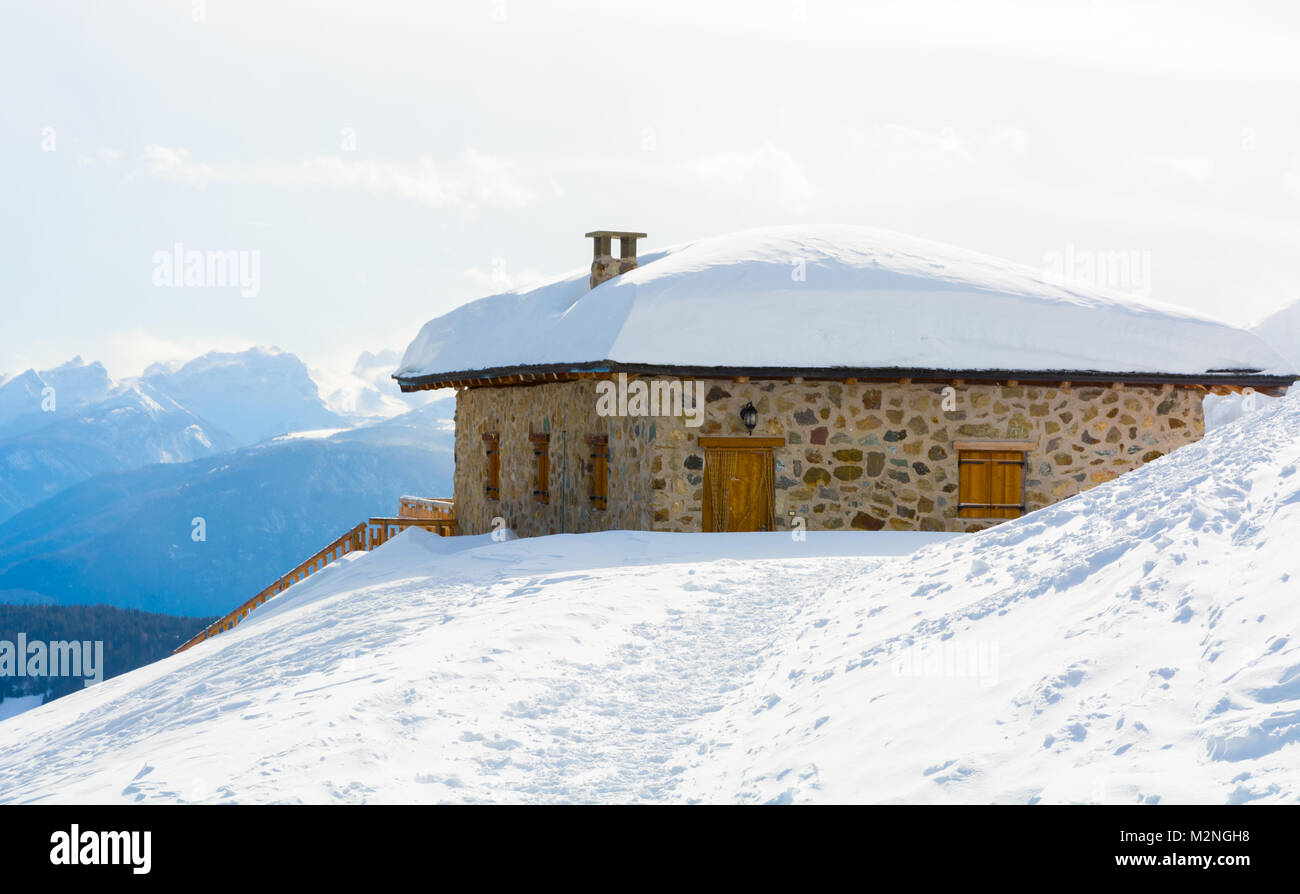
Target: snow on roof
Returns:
[1281, 330]
[816, 297]
[431, 501]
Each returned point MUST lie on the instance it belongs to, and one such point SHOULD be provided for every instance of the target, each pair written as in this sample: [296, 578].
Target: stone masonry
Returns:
[864, 456]
[567, 412]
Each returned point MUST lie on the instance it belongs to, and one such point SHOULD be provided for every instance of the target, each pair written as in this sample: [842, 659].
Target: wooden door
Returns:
[738, 488]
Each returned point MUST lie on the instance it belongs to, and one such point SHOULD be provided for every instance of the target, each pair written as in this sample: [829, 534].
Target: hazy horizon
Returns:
[385, 165]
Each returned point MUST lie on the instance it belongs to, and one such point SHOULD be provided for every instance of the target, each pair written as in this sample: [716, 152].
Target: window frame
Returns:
[599, 496]
[492, 487]
[541, 442]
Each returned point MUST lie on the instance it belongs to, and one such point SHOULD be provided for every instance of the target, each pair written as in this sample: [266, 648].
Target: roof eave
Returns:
[528, 374]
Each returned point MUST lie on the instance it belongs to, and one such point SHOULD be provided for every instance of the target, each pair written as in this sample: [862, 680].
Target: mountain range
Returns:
[99, 495]
[64, 425]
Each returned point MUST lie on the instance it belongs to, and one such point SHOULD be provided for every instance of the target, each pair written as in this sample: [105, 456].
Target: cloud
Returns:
[497, 279]
[1291, 180]
[850, 168]
[882, 164]
[1146, 38]
[856, 168]
[98, 156]
[496, 181]
[1009, 141]
[128, 353]
[766, 172]
[1192, 168]
[475, 179]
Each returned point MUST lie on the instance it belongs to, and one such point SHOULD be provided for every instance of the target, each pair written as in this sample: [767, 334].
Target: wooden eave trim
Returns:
[532, 375]
[743, 441]
[1023, 446]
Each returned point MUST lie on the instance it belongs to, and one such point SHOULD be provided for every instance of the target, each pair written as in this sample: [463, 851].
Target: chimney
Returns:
[603, 264]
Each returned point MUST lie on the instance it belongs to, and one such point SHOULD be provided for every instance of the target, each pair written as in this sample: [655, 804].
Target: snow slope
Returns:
[1222, 409]
[832, 296]
[1136, 643]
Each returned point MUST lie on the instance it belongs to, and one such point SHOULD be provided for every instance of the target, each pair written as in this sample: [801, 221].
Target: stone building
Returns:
[823, 377]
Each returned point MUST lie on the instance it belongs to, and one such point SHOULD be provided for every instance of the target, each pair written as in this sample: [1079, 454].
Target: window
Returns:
[542, 473]
[493, 487]
[991, 478]
[599, 471]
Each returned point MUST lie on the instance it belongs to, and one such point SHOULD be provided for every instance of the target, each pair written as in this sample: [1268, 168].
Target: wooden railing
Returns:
[382, 529]
[427, 507]
[366, 536]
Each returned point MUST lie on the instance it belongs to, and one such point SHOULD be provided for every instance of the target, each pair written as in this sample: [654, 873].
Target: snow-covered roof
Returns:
[829, 297]
[1281, 330]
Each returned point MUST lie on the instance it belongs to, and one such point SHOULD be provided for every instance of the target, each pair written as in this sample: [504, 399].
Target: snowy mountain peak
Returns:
[252, 395]
[80, 381]
[369, 392]
[369, 362]
[26, 403]
[61, 426]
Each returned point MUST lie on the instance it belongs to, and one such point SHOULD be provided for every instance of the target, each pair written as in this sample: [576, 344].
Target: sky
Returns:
[381, 163]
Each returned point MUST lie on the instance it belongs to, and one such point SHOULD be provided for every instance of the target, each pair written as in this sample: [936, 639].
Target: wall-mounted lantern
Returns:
[749, 416]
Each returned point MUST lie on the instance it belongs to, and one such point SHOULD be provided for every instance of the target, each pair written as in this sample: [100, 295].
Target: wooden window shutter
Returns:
[542, 470]
[599, 471]
[991, 483]
[493, 486]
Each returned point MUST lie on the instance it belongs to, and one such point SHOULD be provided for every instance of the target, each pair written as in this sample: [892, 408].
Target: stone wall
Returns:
[880, 455]
[565, 410]
[864, 455]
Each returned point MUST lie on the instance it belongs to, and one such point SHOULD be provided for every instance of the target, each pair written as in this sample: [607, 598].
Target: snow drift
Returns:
[1136, 643]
